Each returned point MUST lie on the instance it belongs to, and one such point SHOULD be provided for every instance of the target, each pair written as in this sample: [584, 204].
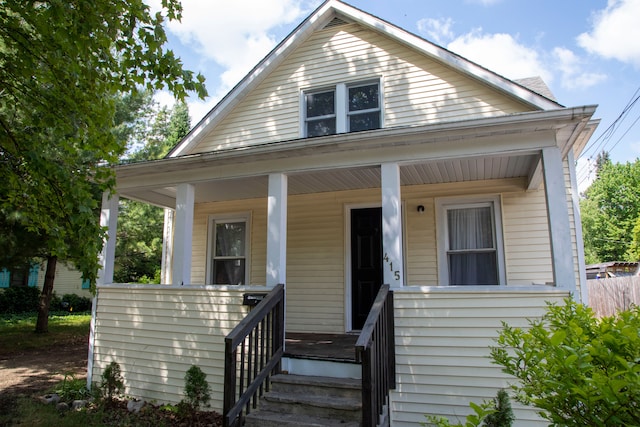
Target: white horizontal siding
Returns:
[526, 235]
[443, 340]
[156, 333]
[416, 89]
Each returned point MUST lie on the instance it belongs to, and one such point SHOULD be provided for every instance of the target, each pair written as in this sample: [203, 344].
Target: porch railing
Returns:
[253, 351]
[375, 350]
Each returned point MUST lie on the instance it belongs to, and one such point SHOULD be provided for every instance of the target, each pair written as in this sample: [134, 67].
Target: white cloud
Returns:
[572, 69]
[501, 53]
[615, 32]
[235, 34]
[436, 30]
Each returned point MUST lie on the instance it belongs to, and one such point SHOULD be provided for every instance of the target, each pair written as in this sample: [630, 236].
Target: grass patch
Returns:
[17, 332]
[30, 412]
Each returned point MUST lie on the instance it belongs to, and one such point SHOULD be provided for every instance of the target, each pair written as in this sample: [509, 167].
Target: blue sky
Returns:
[588, 52]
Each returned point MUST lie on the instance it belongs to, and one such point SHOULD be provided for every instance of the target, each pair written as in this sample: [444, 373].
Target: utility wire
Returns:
[600, 144]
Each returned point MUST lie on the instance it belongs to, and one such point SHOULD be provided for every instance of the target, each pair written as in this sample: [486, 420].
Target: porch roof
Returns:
[480, 149]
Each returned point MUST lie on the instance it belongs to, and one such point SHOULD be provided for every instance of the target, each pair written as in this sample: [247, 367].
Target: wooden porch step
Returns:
[309, 401]
[275, 419]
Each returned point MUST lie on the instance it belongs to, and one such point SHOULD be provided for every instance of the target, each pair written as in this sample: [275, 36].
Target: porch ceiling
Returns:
[478, 149]
[436, 172]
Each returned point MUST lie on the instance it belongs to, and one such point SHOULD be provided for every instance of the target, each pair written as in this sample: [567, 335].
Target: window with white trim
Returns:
[342, 108]
[470, 242]
[229, 249]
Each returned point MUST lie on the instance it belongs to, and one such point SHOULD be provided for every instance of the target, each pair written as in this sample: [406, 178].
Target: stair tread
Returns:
[343, 403]
[279, 418]
[348, 383]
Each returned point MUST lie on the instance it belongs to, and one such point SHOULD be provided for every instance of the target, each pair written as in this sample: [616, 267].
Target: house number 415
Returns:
[396, 273]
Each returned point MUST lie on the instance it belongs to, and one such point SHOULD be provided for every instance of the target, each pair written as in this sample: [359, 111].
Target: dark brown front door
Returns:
[366, 262]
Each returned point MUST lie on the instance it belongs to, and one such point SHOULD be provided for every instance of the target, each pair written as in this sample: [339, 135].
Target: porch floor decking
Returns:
[334, 347]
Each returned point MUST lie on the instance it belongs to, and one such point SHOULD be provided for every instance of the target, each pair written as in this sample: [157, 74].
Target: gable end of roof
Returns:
[334, 13]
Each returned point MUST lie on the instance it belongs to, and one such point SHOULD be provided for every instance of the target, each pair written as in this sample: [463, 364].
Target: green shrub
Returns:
[19, 300]
[475, 419]
[72, 388]
[503, 415]
[70, 303]
[576, 369]
[112, 384]
[196, 388]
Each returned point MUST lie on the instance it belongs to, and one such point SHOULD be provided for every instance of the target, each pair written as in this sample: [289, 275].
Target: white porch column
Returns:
[277, 230]
[167, 247]
[109, 219]
[575, 201]
[183, 234]
[393, 266]
[558, 214]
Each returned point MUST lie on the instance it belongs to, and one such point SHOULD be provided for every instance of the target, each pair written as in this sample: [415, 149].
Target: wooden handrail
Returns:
[375, 350]
[260, 339]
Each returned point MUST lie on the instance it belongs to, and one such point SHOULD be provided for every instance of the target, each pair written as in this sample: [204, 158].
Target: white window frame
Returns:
[442, 206]
[341, 108]
[211, 240]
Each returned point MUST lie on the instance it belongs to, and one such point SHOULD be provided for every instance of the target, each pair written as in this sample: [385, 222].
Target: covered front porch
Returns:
[296, 202]
[399, 170]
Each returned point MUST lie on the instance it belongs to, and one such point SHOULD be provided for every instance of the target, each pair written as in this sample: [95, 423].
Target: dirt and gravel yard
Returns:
[34, 371]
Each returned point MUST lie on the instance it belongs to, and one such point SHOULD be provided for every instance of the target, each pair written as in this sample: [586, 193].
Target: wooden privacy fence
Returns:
[607, 296]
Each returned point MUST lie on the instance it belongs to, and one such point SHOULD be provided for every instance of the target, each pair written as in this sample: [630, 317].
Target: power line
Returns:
[600, 144]
[608, 133]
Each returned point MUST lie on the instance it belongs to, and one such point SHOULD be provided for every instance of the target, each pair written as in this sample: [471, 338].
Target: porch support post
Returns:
[558, 215]
[277, 230]
[393, 266]
[575, 202]
[183, 234]
[109, 219]
[167, 246]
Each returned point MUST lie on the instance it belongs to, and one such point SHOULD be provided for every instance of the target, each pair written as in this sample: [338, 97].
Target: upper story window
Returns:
[343, 108]
[470, 243]
[321, 113]
[364, 107]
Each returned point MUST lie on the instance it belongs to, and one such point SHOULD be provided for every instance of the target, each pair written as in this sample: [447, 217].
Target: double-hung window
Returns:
[321, 113]
[229, 251]
[342, 108]
[470, 243]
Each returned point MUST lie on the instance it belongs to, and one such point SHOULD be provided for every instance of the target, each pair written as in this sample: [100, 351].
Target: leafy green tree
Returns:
[578, 370]
[140, 225]
[63, 63]
[610, 211]
[634, 248]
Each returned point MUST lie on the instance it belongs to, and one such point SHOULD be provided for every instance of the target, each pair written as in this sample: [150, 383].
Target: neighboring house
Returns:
[67, 281]
[356, 154]
[612, 269]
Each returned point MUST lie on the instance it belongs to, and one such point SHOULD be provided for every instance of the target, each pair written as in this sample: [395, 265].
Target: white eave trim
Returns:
[321, 16]
[515, 123]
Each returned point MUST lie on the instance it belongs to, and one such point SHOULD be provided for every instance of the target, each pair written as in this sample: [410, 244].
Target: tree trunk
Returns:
[42, 324]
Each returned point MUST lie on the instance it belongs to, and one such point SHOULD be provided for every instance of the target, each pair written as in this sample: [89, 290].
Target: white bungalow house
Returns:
[355, 154]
